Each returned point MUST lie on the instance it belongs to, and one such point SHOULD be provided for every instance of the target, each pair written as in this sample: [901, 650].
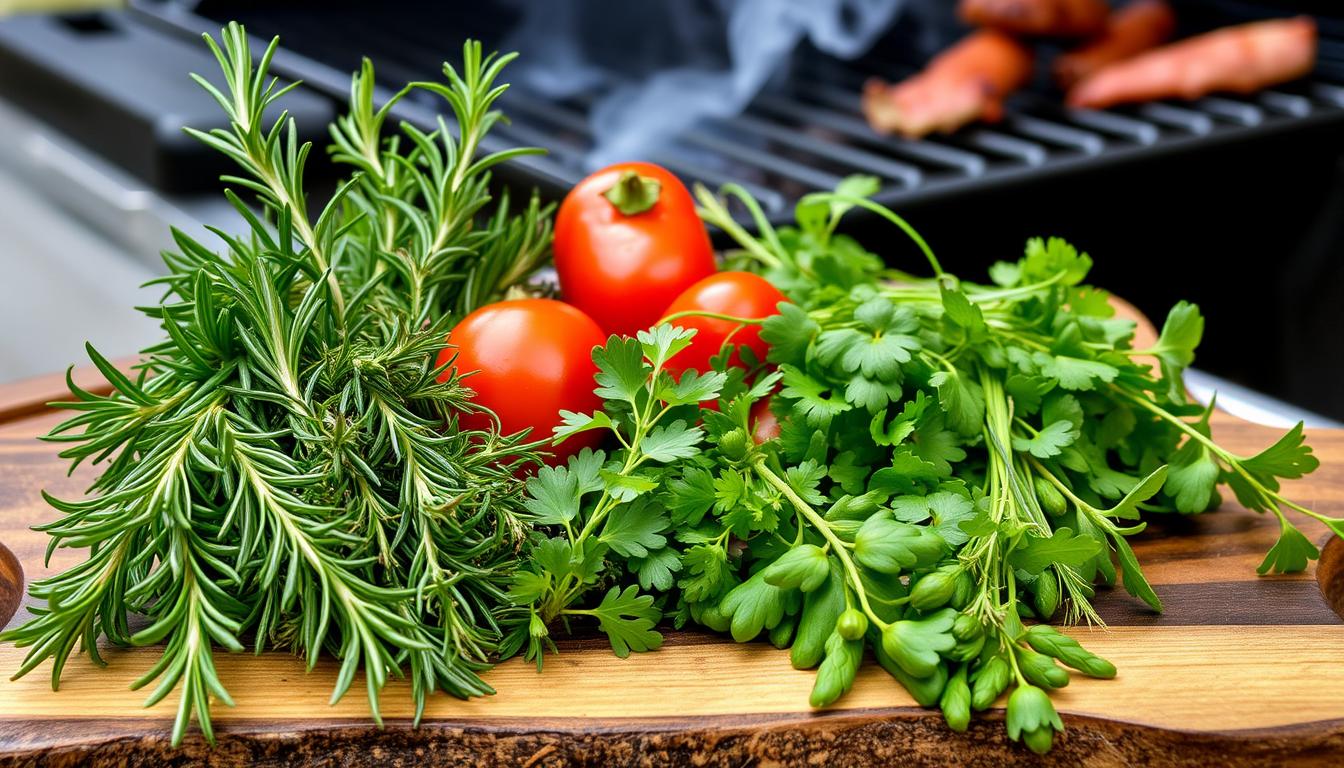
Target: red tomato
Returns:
[737, 294]
[528, 359]
[623, 268]
[764, 423]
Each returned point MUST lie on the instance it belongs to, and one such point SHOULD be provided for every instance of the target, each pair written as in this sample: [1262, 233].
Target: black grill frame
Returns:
[811, 134]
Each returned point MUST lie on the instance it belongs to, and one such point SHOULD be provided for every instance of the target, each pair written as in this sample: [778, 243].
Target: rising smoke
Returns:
[655, 67]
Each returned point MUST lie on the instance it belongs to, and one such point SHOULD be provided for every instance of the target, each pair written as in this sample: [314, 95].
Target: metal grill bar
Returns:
[811, 133]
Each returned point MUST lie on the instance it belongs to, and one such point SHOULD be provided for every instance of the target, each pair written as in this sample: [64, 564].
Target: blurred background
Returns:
[1233, 201]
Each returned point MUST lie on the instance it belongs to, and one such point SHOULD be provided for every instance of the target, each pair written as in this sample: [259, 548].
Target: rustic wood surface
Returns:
[30, 397]
[1241, 670]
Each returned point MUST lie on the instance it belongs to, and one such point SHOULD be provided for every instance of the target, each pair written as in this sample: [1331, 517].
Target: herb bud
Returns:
[734, 444]
[1041, 669]
[1049, 641]
[1032, 718]
[714, 618]
[964, 590]
[836, 674]
[956, 702]
[536, 627]
[989, 681]
[925, 690]
[888, 546]
[934, 590]
[1046, 598]
[852, 624]
[1052, 501]
[966, 627]
[783, 632]
[804, 567]
[915, 645]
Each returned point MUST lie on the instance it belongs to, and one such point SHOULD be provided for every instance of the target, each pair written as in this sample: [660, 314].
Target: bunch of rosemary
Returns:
[286, 469]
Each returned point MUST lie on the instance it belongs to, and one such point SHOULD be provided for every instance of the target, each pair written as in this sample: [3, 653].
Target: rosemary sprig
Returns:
[285, 469]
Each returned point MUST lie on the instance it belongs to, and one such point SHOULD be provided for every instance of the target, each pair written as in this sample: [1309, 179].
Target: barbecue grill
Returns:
[1164, 185]
[807, 134]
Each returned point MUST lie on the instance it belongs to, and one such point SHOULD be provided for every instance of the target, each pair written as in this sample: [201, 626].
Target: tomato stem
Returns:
[713, 315]
[633, 194]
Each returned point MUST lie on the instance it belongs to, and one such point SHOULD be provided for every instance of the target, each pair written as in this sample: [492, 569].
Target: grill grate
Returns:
[811, 133]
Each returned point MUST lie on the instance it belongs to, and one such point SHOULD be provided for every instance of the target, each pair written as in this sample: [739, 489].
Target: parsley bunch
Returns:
[285, 470]
[955, 461]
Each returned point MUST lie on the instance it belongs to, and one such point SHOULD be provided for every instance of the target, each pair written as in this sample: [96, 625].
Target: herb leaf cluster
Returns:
[285, 469]
[955, 461]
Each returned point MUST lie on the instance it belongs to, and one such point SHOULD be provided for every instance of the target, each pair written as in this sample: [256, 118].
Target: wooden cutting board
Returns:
[1241, 670]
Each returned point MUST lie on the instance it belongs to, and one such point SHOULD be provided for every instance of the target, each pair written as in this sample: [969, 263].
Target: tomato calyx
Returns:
[633, 194]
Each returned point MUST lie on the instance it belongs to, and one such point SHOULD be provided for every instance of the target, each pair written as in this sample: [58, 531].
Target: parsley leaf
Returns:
[963, 400]
[947, 509]
[527, 586]
[656, 570]
[848, 473]
[556, 555]
[1136, 583]
[621, 370]
[1049, 442]
[965, 314]
[936, 445]
[690, 496]
[805, 479]
[1287, 458]
[1290, 553]
[789, 334]
[553, 496]
[706, 569]
[627, 487]
[1036, 553]
[1046, 258]
[818, 403]
[907, 474]
[1074, 373]
[663, 341]
[900, 427]
[1175, 347]
[1027, 392]
[633, 530]
[694, 387]
[1192, 475]
[672, 442]
[871, 395]
[628, 618]
[572, 423]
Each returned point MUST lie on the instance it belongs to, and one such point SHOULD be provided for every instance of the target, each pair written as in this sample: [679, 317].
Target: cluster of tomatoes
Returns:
[630, 250]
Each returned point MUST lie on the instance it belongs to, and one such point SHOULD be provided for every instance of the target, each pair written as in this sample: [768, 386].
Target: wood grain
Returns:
[11, 584]
[1164, 681]
[31, 396]
[1241, 670]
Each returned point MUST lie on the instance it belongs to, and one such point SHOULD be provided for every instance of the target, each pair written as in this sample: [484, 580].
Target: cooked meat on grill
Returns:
[964, 83]
[1240, 59]
[1131, 30]
[1037, 18]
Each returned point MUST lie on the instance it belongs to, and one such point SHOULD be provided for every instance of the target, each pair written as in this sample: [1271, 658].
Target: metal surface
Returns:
[1249, 405]
[80, 236]
[124, 91]
[810, 133]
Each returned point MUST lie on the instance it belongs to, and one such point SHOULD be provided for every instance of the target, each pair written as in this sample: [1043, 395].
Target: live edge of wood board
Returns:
[1240, 671]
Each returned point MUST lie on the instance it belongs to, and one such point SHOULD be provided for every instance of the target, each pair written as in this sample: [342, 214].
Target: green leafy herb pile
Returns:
[952, 460]
[286, 470]
[955, 464]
